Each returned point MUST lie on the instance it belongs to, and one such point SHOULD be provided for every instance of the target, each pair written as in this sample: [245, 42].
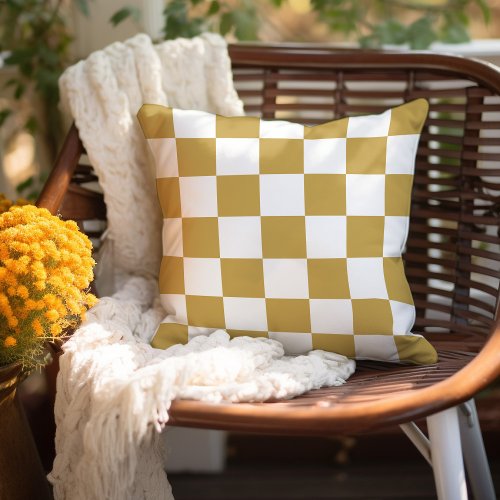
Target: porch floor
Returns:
[369, 467]
[380, 481]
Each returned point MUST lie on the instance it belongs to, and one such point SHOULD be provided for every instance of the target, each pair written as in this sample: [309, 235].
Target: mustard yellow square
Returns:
[200, 237]
[328, 279]
[288, 315]
[169, 195]
[325, 194]
[415, 349]
[409, 118]
[336, 129]
[238, 195]
[281, 156]
[246, 333]
[172, 275]
[242, 278]
[340, 344]
[237, 126]
[395, 280]
[372, 316]
[207, 312]
[156, 121]
[365, 236]
[195, 157]
[366, 155]
[284, 237]
[398, 194]
[169, 334]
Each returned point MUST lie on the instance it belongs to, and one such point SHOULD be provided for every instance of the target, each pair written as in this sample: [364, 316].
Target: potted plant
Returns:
[45, 272]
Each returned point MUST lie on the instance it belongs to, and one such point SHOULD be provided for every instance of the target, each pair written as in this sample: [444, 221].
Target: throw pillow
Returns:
[291, 232]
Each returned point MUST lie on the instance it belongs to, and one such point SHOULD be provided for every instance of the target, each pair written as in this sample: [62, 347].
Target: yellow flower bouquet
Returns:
[45, 273]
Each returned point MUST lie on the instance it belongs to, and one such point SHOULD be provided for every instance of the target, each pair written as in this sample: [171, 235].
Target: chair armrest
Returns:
[59, 180]
[473, 377]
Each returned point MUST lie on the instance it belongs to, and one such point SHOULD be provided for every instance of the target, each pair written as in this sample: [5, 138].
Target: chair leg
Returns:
[475, 457]
[446, 452]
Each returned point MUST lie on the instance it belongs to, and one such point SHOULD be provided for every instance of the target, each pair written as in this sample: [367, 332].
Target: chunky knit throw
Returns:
[114, 390]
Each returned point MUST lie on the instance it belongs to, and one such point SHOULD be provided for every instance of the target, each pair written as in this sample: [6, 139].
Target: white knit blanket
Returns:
[114, 390]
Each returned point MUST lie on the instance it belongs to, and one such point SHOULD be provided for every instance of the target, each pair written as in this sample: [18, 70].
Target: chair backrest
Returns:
[453, 251]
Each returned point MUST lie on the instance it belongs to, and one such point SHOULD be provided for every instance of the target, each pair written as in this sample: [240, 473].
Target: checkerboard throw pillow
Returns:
[275, 229]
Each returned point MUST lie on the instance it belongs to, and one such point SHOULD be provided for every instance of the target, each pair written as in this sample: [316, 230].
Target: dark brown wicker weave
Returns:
[453, 254]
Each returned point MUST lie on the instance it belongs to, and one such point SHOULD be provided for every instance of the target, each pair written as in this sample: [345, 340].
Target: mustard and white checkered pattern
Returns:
[292, 232]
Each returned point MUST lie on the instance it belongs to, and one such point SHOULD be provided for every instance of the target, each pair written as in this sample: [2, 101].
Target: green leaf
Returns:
[245, 25]
[226, 23]
[369, 42]
[83, 7]
[20, 56]
[125, 13]
[22, 186]
[11, 82]
[31, 125]
[48, 55]
[485, 9]
[421, 33]
[214, 8]
[19, 90]
[454, 33]
[4, 114]
[391, 32]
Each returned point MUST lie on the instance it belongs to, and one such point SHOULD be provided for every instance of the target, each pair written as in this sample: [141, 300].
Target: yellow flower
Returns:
[9, 341]
[52, 315]
[55, 329]
[45, 272]
[91, 300]
[40, 285]
[12, 321]
[30, 305]
[37, 327]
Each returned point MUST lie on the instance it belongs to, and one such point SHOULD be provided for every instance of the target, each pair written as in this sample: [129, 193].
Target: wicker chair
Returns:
[452, 258]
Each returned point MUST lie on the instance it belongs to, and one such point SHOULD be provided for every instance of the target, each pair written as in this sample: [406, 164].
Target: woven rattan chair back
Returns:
[453, 254]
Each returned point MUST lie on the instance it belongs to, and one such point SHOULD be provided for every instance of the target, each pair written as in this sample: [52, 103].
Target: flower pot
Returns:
[21, 474]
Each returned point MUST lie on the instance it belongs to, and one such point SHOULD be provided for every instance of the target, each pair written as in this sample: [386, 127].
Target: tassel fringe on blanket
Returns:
[114, 390]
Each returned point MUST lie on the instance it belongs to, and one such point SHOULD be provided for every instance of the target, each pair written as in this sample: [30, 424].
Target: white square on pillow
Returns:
[378, 347]
[400, 154]
[237, 156]
[365, 194]
[282, 194]
[280, 130]
[369, 126]
[331, 316]
[172, 237]
[294, 343]
[395, 233]
[325, 156]
[326, 236]
[240, 237]
[198, 196]
[286, 279]
[165, 153]
[202, 277]
[403, 317]
[193, 124]
[175, 307]
[245, 314]
[366, 278]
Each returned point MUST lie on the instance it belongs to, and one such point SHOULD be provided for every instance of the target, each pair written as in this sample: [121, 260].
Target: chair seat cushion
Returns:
[280, 230]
